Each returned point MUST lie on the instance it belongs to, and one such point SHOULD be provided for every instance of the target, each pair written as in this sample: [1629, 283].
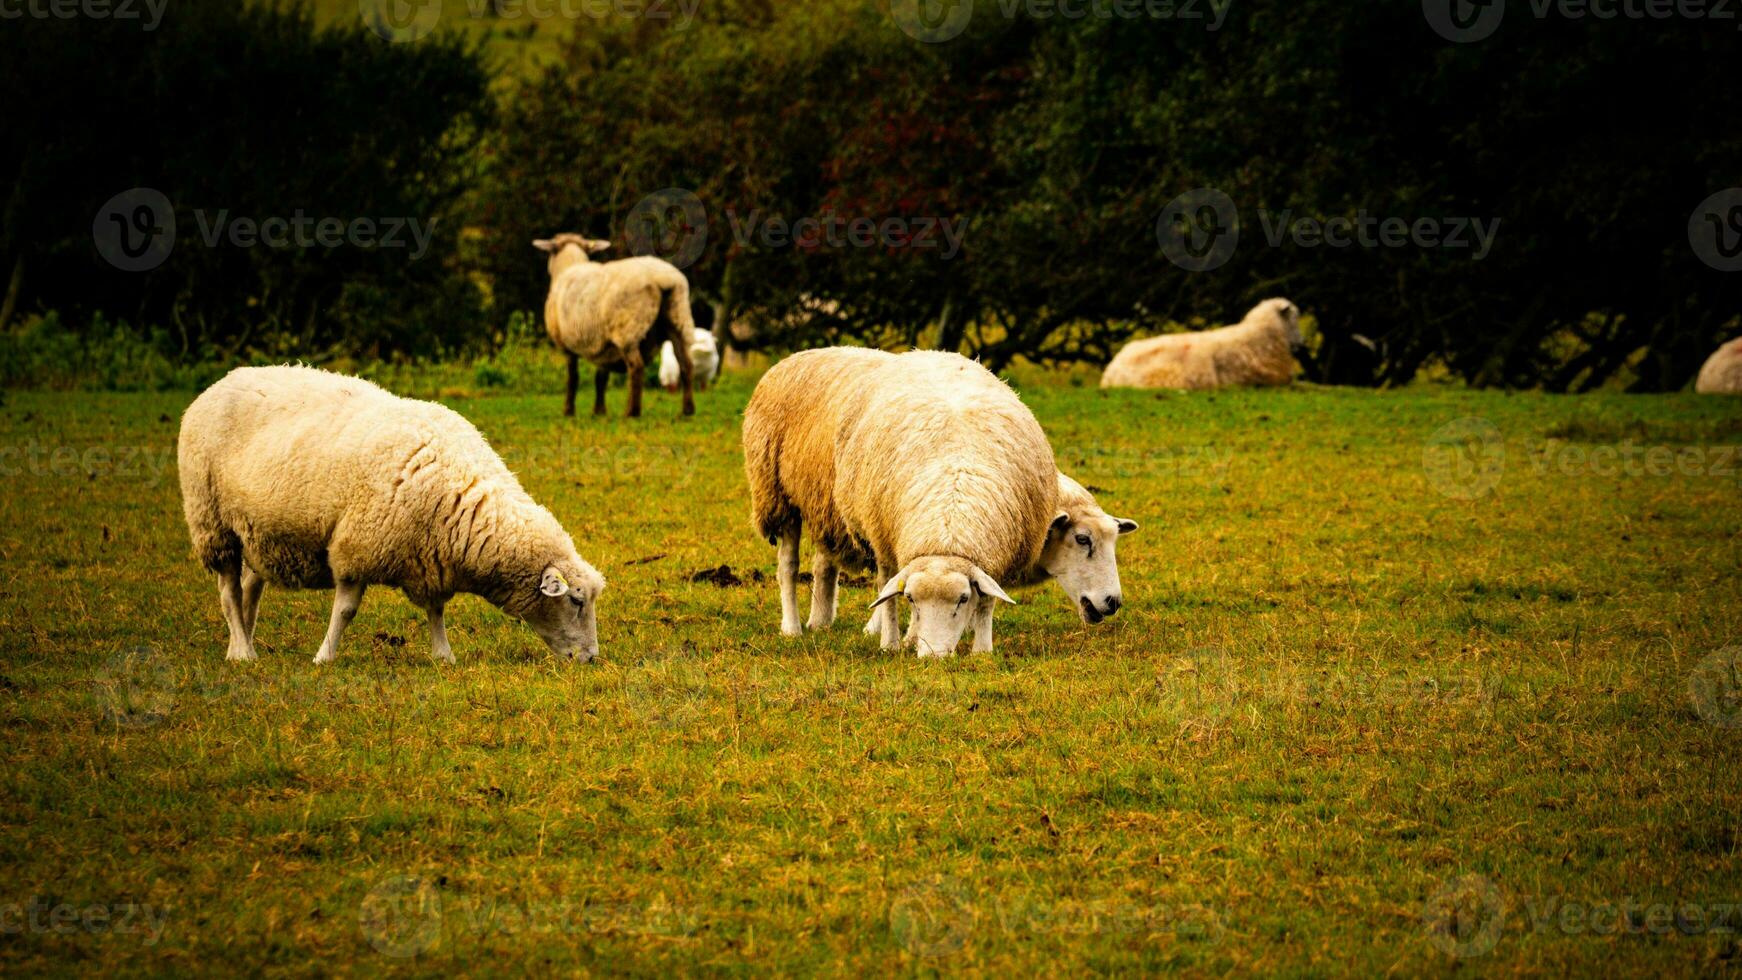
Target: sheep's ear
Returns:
[891, 589]
[1060, 524]
[554, 585]
[544, 245]
[1125, 526]
[987, 587]
[596, 246]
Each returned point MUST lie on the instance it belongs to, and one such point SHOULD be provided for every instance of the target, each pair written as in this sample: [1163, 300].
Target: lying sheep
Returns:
[922, 465]
[310, 480]
[615, 314]
[704, 362]
[1258, 350]
[1722, 374]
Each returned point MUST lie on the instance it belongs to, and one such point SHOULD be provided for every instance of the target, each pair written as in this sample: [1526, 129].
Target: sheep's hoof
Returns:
[241, 654]
[791, 629]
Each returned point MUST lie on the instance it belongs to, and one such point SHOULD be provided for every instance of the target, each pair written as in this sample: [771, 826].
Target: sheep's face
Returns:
[943, 595]
[1079, 555]
[565, 614]
[1288, 315]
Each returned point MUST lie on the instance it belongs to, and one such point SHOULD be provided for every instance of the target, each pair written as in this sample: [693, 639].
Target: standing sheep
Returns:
[1722, 374]
[1258, 351]
[615, 314]
[704, 362]
[923, 465]
[313, 480]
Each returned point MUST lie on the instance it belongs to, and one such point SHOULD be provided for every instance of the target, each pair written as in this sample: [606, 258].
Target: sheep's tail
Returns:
[770, 509]
[675, 310]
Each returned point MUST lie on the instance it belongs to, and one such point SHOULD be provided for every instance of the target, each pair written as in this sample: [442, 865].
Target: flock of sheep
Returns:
[923, 468]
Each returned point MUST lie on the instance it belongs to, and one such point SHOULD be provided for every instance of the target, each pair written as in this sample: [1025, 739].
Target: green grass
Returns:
[1338, 697]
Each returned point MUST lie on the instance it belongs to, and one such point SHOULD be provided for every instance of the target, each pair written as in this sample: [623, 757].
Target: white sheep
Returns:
[922, 465]
[307, 479]
[615, 315]
[1080, 554]
[1258, 350]
[1722, 373]
[704, 362]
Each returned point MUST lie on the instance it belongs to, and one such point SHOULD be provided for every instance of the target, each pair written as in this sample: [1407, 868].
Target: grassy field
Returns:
[1412, 682]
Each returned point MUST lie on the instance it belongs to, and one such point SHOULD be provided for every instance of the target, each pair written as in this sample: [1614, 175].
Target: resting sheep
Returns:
[307, 480]
[704, 362]
[1722, 374]
[615, 314]
[922, 465]
[1258, 351]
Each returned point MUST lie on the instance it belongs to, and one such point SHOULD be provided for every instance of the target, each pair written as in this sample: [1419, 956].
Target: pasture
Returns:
[1411, 682]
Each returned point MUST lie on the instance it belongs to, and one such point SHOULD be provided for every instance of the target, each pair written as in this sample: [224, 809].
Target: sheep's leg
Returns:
[574, 384]
[788, 574]
[983, 625]
[824, 576]
[637, 377]
[438, 634]
[230, 597]
[346, 598]
[252, 586]
[601, 379]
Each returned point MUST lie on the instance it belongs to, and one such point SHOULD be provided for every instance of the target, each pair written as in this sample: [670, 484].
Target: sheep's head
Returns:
[1285, 313]
[564, 612]
[569, 249]
[943, 594]
[1079, 553]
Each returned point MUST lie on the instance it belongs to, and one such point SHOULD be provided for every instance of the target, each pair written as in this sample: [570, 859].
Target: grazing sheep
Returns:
[312, 480]
[1722, 374]
[704, 362]
[922, 465]
[1079, 554]
[1258, 350]
[615, 314]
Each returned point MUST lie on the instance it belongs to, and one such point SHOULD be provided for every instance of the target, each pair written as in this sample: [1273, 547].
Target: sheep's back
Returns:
[938, 457]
